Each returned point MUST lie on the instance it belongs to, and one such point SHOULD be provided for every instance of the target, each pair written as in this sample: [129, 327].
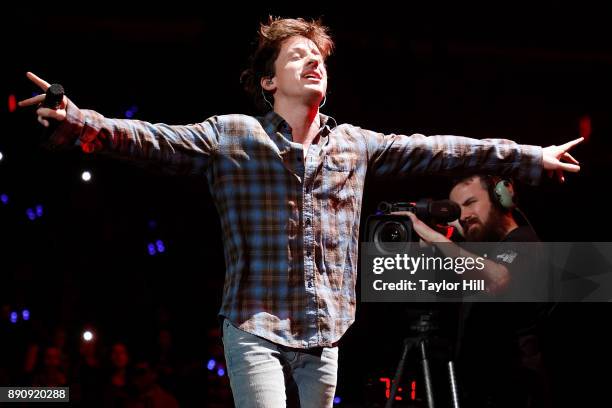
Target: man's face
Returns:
[478, 214]
[299, 72]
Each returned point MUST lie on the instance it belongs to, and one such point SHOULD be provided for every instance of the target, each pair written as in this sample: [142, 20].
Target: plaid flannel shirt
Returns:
[290, 222]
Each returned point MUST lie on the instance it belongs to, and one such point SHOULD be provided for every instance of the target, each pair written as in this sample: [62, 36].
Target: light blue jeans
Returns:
[259, 369]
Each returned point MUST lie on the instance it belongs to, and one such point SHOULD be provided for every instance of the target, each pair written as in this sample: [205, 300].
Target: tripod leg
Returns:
[408, 343]
[427, 375]
[453, 384]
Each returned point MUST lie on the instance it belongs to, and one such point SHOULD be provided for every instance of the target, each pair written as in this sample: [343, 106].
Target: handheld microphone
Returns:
[53, 100]
[54, 96]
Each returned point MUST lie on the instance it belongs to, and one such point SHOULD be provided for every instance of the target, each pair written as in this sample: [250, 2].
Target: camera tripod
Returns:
[423, 327]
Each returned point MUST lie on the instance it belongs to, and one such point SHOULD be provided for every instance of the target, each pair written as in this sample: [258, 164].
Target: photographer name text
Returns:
[429, 286]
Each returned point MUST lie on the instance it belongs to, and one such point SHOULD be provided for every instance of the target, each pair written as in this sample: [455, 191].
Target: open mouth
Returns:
[313, 76]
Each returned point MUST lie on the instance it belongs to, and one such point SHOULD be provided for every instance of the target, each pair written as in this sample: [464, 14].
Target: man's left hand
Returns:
[552, 156]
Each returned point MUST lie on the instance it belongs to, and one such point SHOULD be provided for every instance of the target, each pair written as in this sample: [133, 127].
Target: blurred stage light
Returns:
[14, 317]
[30, 213]
[88, 335]
[220, 372]
[211, 364]
[39, 210]
[12, 103]
[25, 313]
[585, 127]
[131, 112]
[337, 400]
[4, 198]
[1, 156]
[160, 246]
[86, 176]
[151, 249]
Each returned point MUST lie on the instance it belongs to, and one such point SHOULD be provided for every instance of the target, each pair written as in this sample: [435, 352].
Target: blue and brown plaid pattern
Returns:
[290, 221]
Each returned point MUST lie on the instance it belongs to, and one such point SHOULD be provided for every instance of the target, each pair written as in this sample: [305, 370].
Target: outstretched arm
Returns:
[397, 155]
[184, 149]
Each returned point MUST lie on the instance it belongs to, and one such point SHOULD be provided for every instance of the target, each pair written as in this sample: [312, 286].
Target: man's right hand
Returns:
[44, 113]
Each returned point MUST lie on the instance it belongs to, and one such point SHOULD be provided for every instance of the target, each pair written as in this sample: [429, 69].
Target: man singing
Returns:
[288, 189]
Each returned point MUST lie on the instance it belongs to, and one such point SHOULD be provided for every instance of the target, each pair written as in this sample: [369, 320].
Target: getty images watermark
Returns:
[410, 265]
[487, 272]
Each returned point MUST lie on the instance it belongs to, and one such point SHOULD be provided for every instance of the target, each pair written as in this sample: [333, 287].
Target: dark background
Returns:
[528, 73]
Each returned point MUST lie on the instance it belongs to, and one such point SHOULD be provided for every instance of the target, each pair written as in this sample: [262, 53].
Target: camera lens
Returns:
[389, 233]
[393, 232]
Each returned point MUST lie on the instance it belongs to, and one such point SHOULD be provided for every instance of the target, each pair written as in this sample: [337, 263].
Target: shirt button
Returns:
[309, 284]
[308, 222]
[308, 253]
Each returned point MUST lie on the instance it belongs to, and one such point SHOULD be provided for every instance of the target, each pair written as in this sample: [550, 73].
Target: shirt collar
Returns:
[272, 122]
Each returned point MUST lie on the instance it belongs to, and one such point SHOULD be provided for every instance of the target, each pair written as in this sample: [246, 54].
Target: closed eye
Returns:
[469, 202]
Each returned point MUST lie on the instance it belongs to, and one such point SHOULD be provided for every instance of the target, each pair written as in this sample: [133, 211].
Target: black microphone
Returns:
[53, 100]
[54, 96]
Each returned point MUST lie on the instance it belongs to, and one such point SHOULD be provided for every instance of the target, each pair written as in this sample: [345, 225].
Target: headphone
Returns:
[501, 192]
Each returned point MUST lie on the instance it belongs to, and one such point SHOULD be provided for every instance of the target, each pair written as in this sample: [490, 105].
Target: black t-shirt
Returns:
[490, 355]
[522, 234]
[521, 254]
[513, 318]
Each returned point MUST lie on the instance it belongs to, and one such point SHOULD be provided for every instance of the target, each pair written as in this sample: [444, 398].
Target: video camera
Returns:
[386, 229]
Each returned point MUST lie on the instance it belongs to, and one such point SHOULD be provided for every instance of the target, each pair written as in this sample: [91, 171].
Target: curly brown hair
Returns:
[271, 37]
